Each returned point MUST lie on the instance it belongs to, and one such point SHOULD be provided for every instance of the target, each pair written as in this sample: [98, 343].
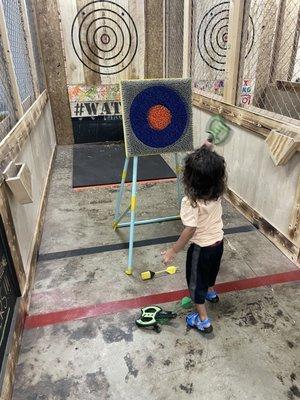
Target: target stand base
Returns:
[131, 209]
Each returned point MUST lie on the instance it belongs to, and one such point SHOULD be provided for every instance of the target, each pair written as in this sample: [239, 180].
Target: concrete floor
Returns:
[252, 354]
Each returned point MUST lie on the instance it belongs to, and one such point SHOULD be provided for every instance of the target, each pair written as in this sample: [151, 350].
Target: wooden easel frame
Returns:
[131, 209]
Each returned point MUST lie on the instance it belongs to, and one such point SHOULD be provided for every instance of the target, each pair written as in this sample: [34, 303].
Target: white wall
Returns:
[37, 154]
[252, 175]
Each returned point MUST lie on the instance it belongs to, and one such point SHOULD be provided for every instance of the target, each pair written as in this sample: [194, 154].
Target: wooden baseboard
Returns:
[277, 238]
[9, 376]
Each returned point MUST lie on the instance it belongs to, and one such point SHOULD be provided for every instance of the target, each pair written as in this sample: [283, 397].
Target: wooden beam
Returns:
[233, 53]
[187, 38]
[285, 245]
[294, 227]
[54, 63]
[33, 70]
[282, 146]
[14, 141]
[17, 103]
[259, 124]
[154, 62]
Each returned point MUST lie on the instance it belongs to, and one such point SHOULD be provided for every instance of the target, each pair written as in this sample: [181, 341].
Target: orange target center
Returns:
[159, 117]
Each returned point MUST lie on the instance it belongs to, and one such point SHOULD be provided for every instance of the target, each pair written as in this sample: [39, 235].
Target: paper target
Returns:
[212, 36]
[157, 116]
[106, 40]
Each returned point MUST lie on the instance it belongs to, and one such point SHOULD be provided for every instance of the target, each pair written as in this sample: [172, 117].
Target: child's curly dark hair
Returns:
[204, 175]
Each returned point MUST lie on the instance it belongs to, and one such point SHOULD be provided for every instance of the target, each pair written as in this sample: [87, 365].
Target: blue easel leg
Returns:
[121, 191]
[132, 216]
[177, 169]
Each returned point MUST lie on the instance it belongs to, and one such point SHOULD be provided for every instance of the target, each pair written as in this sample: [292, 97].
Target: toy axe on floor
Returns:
[151, 274]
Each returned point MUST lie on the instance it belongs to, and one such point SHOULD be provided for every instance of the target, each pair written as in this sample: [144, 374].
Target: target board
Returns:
[157, 116]
[106, 39]
[212, 36]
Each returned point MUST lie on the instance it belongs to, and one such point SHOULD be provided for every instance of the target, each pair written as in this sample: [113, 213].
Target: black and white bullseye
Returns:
[104, 37]
[212, 36]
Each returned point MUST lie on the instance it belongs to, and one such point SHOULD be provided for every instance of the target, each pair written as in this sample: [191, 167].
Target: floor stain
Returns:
[132, 371]
[149, 361]
[114, 334]
[293, 392]
[188, 388]
[88, 331]
[97, 382]
[293, 376]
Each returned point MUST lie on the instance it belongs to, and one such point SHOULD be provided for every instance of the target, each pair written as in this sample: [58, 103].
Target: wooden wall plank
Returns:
[136, 70]
[294, 227]
[257, 123]
[235, 27]
[187, 32]
[91, 77]
[284, 244]
[74, 67]
[53, 57]
[154, 67]
[12, 144]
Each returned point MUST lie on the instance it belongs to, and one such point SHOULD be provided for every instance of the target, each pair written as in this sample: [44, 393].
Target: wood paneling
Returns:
[13, 143]
[54, 62]
[154, 63]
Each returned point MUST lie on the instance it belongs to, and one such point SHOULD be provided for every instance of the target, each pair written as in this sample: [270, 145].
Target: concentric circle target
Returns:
[158, 116]
[212, 36]
[104, 37]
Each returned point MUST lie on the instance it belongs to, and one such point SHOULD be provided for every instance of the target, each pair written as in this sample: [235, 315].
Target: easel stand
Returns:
[131, 209]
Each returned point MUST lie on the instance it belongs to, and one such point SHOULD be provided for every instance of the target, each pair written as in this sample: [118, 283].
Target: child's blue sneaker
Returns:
[193, 321]
[212, 296]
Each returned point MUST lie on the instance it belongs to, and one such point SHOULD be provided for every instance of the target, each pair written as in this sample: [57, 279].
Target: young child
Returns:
[204, 180]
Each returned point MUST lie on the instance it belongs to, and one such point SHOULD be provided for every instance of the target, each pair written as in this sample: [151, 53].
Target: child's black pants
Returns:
[202, 267]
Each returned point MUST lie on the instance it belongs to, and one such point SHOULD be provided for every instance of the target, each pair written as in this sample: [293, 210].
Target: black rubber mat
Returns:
[96, 165]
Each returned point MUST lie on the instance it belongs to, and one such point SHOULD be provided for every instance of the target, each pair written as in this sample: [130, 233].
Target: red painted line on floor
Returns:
[116, 185]
[57, 317]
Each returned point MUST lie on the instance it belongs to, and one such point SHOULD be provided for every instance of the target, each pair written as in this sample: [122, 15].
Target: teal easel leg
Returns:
[121, 192]
[177, 169]
[132, 215]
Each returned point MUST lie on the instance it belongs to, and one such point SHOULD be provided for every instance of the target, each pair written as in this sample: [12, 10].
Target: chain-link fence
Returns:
[174, 11]
[7, 112]
[271, 76]
[35, 45]
[19, 50]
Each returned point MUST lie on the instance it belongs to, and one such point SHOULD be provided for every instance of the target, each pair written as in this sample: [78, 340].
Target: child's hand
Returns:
[168, 256]
[207, 144]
